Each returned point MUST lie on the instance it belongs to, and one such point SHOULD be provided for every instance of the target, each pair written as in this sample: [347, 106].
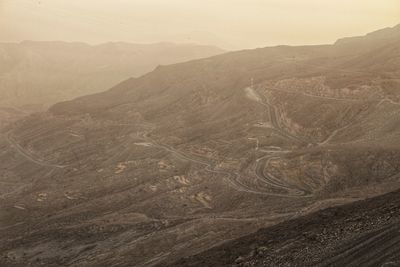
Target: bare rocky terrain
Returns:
[192, 155]
[364, 233]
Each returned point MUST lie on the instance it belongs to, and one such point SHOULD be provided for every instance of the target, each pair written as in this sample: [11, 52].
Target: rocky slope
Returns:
[184, 158]
[365, 233]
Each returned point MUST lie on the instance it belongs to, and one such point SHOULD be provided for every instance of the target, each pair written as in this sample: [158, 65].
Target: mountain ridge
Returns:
[43, 73]
[386, 34]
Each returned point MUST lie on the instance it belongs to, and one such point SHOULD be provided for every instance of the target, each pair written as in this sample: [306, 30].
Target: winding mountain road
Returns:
[273, 117]
[262, 163]
[27, 155]
[233, 178]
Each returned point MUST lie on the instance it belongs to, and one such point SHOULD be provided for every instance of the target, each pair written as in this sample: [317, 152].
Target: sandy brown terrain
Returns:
[192, 155]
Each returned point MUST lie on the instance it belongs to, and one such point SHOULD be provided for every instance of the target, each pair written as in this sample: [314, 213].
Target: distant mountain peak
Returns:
[385, 34]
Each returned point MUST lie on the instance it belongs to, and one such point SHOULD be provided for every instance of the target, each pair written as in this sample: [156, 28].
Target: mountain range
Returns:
[35, 75]
[187, 157]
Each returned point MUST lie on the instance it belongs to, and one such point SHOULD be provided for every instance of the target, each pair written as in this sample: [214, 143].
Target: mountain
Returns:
[34, 75]
[387, 35]
[192, 155]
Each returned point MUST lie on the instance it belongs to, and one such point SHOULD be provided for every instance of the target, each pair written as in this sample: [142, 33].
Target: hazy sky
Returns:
[230, 23]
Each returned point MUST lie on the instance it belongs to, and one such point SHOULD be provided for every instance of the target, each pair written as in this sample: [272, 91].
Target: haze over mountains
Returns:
[35, 75]
[191, 155]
